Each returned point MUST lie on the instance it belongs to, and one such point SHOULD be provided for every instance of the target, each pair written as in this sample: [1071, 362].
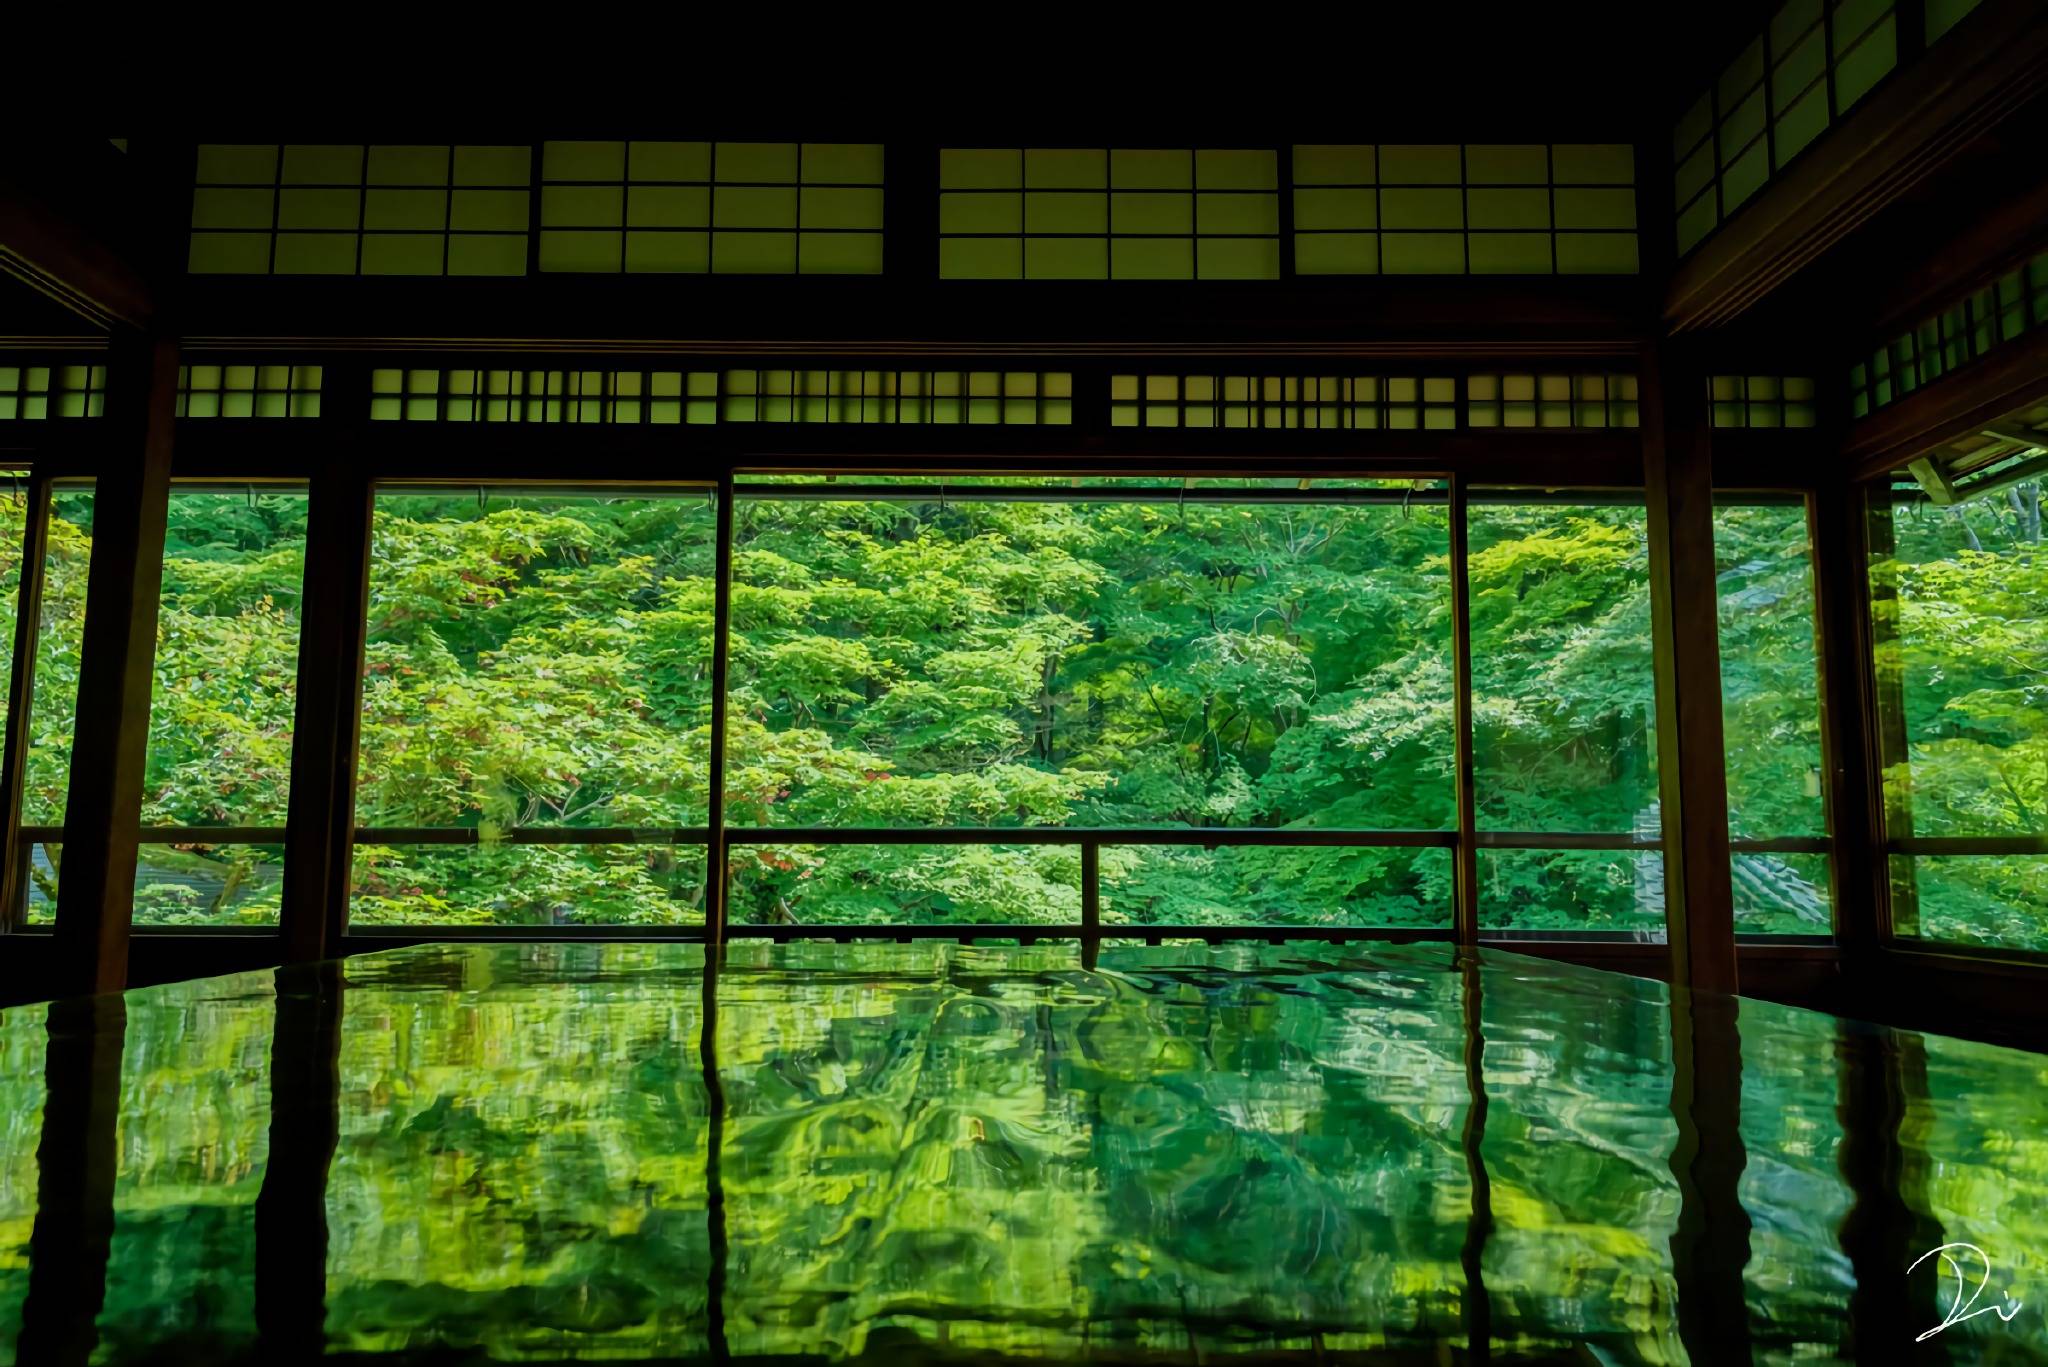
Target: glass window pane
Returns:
[929, 662]
[194, 884]
[13, 529]
[1962, 647]
[1154, 885]
[1991, 901]
[220, 719]
[1563, 698]
[1620, 892]
[537, 660]
[905, 884]
[59, 637]
[1770, 700]
[1781, 894]
[497, 883]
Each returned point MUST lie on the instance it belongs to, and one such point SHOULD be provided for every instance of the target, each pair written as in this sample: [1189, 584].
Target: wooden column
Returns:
[717, 873]
[117, 663]
[1465, 858]
[1841, 552]
[1678, 480]
[320, 825]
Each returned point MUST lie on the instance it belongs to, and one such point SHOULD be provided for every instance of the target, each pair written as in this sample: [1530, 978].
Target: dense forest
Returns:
[1144, 658]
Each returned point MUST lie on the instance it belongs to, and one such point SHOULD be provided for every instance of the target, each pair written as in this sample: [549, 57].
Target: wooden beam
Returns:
[117, 661]
[920, 317]
[1678, 479]
[2011, 375]
[64, 202]
[1924, 117]
[320, 823]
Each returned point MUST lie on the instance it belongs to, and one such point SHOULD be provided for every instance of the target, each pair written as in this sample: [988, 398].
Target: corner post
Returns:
[117, 663]
[1678, 479]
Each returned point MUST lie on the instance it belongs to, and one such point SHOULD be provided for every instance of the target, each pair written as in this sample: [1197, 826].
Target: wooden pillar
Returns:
[1841, 552]
[717, 872]
[117, 664]
[1465, 858]
[320, 824]
[1678, 480]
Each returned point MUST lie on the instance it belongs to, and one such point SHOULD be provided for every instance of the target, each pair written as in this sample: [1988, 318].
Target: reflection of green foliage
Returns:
[959, 1151]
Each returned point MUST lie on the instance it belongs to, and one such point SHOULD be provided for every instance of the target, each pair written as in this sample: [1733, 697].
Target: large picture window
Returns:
[1564, 716]
[1771, 718]
[1148, 705]
[53, 699]
[1962, 650]
[536, 709]
[221, 705]
[1183, 655]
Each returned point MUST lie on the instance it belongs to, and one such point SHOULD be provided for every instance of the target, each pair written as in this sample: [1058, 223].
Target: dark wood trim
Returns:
[1678, 482]
[1856, 867]
[117, 664]
[1896, 892]
[718, 866]
[320, 823]
[2012, 375]
[1925, 116]
[1465, 855]
[56, 256]
[856, 317]
[1987, 246]
[20, 702]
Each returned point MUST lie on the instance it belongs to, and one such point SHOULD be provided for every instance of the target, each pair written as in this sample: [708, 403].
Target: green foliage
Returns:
[1962, 667]
[544, 661]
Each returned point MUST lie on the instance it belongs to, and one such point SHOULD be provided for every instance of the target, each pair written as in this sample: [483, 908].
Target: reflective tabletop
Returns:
[936, 1153]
